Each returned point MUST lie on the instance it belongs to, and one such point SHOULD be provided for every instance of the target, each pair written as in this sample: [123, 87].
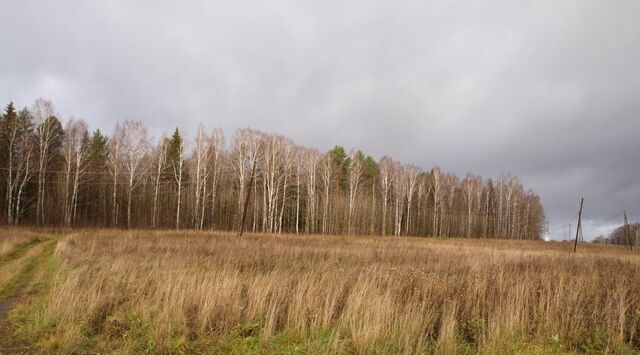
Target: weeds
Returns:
[185, 292]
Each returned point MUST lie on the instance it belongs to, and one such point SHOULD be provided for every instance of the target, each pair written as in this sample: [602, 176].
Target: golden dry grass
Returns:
[10, 239]
[341, 294]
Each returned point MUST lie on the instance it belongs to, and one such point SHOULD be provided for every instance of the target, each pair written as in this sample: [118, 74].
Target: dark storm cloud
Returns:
[548, 90]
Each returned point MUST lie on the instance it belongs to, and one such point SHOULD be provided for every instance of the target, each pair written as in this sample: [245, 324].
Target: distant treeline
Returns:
[621, 237]
[63, 174]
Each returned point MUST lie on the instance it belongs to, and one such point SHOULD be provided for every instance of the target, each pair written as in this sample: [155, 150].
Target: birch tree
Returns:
[288, 162]
[436, 189]
[311, 157]
[272, 161]
[76, 154]
[114, 162]
[412, 173]
[48, 136]
[25, 166]
[17, 148]
[82, 155]
[386, 167]
[450, 184]
[175, 158]
[488, 205]
[245, 154]
[134, 148]
[160, 162]
[216, 164]
[470, 186]
[298, 162]
[201, 170]
[355, 183]
[327, 174]
[11, 129]
[400, 187]
[477, 205]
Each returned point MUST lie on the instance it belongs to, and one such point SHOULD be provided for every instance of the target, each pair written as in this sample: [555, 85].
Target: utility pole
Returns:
[626, 231]
[246, 201]
[575, 245]
[637, 233]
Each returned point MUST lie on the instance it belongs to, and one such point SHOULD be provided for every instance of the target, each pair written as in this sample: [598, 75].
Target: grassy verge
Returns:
[16, 267]
[12, 244]
[36, 265]
[17, 251]
[12, 264]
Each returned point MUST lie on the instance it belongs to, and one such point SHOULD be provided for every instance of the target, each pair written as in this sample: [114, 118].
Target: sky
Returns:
[547, 90]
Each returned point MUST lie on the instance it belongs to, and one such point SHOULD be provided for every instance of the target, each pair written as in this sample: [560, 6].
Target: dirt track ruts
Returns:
[29, 256]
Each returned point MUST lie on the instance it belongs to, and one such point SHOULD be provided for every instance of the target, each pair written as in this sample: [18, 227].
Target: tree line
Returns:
[622, 236]
[61, 174]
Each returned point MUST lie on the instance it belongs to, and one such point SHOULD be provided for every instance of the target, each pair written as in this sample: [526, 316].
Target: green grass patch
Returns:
[19, 251]
[28, 320]
[13, 285]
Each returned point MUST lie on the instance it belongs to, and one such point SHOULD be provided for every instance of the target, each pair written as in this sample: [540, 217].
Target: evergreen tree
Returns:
[371, 170]
[7, 120]
[98, 150]
[177, 168]
[16, 144]
[49, 138]
[342, 161]
[96, 183]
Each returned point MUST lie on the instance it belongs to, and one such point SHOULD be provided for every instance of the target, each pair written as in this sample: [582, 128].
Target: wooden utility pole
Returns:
[575, 245]
[626, 231]
[637, 233]
[246, 201]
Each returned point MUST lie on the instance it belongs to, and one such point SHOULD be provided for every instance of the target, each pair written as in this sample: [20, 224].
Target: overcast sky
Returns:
[548, 90]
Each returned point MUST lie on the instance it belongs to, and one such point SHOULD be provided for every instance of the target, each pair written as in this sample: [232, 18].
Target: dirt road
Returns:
[17, 272]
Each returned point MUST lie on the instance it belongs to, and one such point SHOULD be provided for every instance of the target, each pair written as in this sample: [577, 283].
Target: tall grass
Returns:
[360, 294]
[10, 239]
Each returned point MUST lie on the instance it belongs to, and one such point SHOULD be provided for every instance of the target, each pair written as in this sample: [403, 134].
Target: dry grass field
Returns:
[12, 239]
[195, 292]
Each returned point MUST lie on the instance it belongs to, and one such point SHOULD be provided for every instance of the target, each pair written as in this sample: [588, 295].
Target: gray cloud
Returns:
[547, 90]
